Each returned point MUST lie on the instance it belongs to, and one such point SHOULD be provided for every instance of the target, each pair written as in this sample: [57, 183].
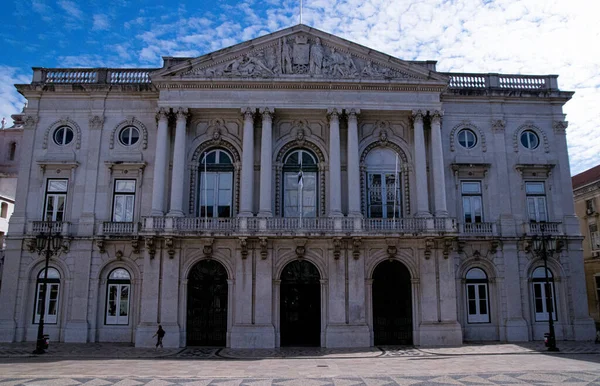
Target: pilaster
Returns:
[353, 164]
[169, 293]
[179, 153]
[335, 176]
[247, 185]
[266, 163]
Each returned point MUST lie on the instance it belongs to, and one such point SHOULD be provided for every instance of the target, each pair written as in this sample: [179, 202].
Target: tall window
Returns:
[12, 151]
[383, 184]
[471, 200]
[117, 297]
[123, 201]
[594, 237]
[597, 282]
[52, 292]
[4, 210]
[536, 201]
[56, 196]
[543, 295]
[590, 208]
[300, 172]
[478, 310]
[216, 184]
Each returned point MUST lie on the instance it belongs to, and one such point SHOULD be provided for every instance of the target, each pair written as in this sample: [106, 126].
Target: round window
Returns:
[467, 138]
[63, 135]
[129, 135]
[529, 139]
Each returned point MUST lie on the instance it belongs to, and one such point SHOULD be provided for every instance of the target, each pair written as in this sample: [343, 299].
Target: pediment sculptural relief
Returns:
[296, 56]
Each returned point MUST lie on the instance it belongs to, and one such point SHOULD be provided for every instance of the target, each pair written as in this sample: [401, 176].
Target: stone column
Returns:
[420, 166]
[335, 176]
[150, 294]
[178, 176]
[160, 164]
[439, 189]
[247, 185]
[266, 163]
[353, 165]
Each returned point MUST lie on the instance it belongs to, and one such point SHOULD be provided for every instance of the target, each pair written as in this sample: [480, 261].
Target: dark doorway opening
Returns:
[392, 304]
[207, 305]
[300, 305]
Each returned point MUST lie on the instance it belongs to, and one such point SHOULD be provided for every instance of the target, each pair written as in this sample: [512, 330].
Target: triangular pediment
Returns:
[299, 53]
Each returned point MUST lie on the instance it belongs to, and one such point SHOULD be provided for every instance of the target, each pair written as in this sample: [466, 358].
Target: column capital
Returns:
[267, 111]
[436, 116]
[352, 113]
[162, 114]
[334, 113]
[248, 112]
[418, 115]
[181, 113]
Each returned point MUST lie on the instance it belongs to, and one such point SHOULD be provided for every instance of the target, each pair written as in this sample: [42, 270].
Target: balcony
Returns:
[547, 228]
[478, 229]
[110, 228]
[37, 227]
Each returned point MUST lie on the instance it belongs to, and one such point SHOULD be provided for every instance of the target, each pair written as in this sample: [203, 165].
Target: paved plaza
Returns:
[470, 364]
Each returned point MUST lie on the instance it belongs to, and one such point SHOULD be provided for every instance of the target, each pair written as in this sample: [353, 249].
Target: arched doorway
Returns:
[207, 304]
[300, 306]
[392, 304]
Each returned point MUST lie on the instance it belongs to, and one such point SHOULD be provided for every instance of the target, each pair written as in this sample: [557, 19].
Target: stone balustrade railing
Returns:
[478, 228]
[502, 81]
[37, 227]
[538, 228]
[92, 75]
[119, 228]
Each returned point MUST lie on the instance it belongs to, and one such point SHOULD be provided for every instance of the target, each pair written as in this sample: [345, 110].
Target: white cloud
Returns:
[101, 22]
[71, 8]
[11, 102]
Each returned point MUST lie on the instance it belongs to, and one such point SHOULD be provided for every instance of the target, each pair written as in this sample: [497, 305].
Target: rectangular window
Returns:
[594, 237]
[477, 303]
[542, 303]
[216, 192]
[56, 197]
[117, 305]
[298, 198]
[52, 291]
[383, 195]
[4, 210]
[123, 201]
[536, 201]
[472, 201]
[590, 208]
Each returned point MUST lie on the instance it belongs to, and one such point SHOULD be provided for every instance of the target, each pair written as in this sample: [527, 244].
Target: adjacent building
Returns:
[586, 188]
[295, 189]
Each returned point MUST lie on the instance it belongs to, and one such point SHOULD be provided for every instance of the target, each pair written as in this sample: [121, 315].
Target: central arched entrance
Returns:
[300, 305]
[392, 304]
[207, 305]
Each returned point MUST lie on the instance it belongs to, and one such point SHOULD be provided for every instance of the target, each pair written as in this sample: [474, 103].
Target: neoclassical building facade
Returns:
[295, 189]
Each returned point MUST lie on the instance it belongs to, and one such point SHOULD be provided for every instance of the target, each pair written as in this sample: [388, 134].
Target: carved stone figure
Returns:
[316, 57]
[286, 57]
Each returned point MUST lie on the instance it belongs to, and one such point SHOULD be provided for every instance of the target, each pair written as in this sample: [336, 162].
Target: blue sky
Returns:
[506, 36]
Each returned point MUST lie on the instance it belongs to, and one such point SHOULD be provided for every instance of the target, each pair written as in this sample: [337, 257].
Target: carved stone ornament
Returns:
[300, 131]
[337, 248]
[447, 247]
[299, 55]
[170, 245]
[392, 251]
[135, 244]
[150, 246]
[300, 251]
[494, 244]
[560, 127]
[63, 121]
[429, 246]
[30, 121]
[162, 114]
[498, 125]
[100, 245]
[130, 121]
[119, 254]
[436, 116]
[208, 251]
[30, 245]
[356, 244]
[66, 244]
[263, 248]
[96, 122]
[244, 247]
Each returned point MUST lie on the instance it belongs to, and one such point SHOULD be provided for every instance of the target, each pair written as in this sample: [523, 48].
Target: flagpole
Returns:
[395, 186]
[205, 195]
[301, 187]
[300, 11]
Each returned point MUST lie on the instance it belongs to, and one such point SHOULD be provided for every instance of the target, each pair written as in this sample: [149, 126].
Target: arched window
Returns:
[543, 295]
[383, 184]
[216, 184]
[12, 150]
[52, 292]
[478, 305]
[118, 289]
[300, 194]
[4, 210]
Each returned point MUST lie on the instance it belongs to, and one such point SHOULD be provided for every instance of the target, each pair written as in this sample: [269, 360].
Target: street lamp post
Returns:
[544, 245]
[48, 244]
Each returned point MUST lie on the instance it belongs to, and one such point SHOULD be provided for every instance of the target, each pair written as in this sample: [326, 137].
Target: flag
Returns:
[300, 180]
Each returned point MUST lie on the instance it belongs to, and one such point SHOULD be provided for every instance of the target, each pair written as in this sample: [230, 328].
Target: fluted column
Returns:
[160, 164]
[178, 176]
[335, 178]
[439, 188]
[420, 166]
[247, 186]
[266, 163]
[353, 164]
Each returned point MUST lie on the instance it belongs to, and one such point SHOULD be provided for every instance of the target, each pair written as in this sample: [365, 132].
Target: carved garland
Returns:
[279, 167]
[130, 121]
[64, 121]
[470, 126]
[405, 174]
[195, 166]
[530, 126]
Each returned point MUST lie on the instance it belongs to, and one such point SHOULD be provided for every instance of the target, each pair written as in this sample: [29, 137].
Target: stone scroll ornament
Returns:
[299, 55]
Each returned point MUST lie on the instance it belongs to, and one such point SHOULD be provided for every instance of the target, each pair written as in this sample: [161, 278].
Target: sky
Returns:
[484, 36]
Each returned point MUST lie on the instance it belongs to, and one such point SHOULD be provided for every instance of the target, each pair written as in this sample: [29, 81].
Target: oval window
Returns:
[529, 139]
[467, 138]
[129, 135]
[63, 135]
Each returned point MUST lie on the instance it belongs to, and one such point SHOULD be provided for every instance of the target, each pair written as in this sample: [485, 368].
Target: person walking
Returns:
[160, 333]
